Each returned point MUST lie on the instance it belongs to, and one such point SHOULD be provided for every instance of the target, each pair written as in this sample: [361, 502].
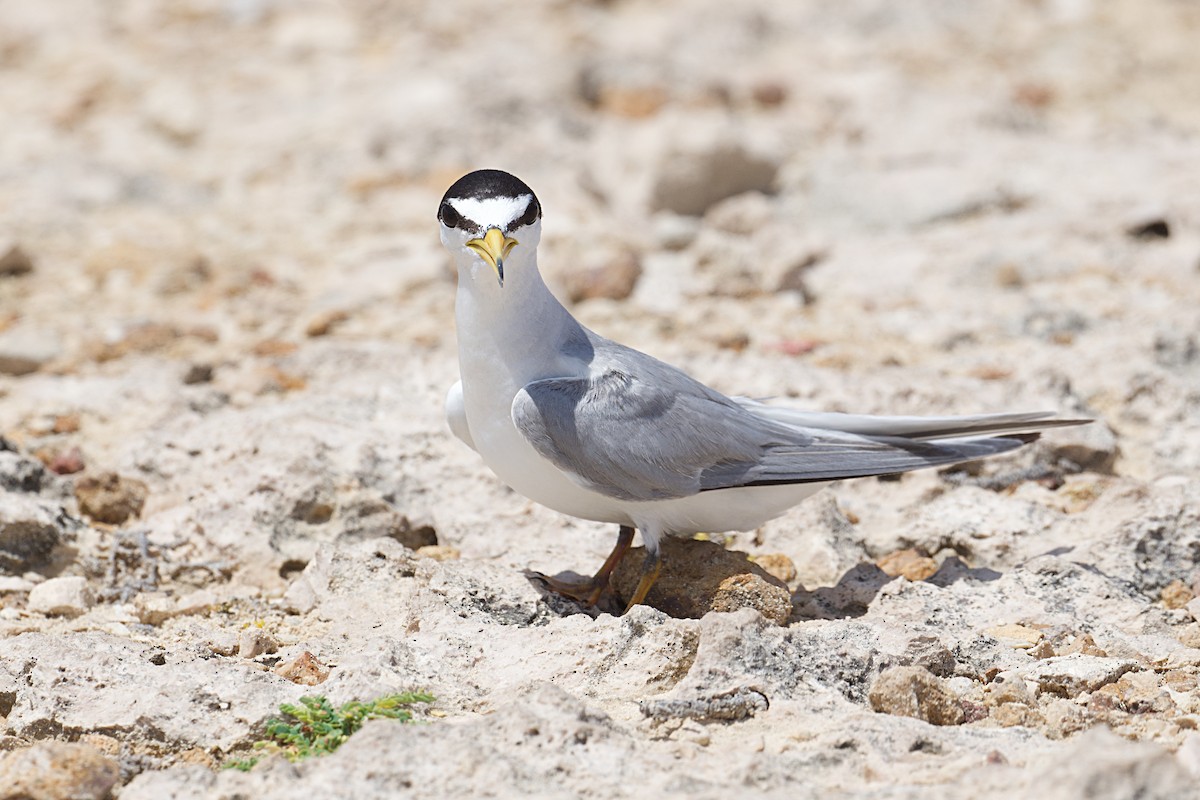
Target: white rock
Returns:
[1188, 754]
[154, 609]
[1070, 675]
[10, 584]
[25, 349]
[93, 680]
[1193, 608]
[1021, 637]
[300, 597]
[254, 642]
[61, 597]
[223, 642]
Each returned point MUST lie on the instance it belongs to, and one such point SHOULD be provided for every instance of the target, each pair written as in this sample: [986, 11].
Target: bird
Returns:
[600, 431]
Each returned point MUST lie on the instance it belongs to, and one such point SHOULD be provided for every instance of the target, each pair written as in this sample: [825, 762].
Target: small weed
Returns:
[316, 728]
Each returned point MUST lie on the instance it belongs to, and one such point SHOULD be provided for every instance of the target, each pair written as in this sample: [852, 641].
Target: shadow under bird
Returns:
[601, 431]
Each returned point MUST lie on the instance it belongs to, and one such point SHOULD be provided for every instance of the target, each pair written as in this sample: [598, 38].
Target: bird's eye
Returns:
[449, 217]
[530, 216]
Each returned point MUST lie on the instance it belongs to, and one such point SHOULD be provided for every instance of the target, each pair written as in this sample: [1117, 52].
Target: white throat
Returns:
[512, 334]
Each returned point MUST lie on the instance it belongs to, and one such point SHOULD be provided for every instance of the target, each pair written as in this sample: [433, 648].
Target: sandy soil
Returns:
[226, 328]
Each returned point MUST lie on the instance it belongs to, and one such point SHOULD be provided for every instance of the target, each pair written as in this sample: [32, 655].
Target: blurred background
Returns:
[208, 206]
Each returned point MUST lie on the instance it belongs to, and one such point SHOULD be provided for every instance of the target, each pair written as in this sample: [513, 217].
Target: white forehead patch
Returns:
[491, 211]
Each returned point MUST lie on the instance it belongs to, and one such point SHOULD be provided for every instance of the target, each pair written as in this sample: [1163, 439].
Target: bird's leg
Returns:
[589, 591]
[651, 567]
[602, 576]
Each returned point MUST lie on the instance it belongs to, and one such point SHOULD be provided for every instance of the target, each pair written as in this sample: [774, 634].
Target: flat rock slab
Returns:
[1071, 675]
[93, 681]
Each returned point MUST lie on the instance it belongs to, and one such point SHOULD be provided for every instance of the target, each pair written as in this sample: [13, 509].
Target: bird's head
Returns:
[491, 223]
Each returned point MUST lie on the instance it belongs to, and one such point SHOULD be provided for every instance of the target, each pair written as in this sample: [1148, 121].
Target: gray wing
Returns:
[646, 431]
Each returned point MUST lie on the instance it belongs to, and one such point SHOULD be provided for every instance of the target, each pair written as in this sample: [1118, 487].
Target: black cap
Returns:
[484, 183]
[480, 185]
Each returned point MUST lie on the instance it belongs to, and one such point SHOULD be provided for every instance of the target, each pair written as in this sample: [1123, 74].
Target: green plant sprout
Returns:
[316, 728]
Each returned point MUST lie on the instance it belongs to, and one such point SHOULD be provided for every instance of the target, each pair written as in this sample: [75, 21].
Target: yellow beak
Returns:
[493, 248]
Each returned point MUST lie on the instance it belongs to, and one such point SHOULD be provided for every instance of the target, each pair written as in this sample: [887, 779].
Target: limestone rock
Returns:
[254, 642]
[25, 349]
[1070, 675]
[61, 597]
[57, 771]
[1022, 637]
[10, 584]
[915, 692]
[1099, 764]
[110, 498]
[223, 642]
[837, 214]
[1009, 687]
[94, 681]
[702, 576]
[1093, 447]
[777, 565]
[304, 669]
[1177, 594]
[29, 531]
[747, 590]
[910, 563]
[154, 610]
[20, 474]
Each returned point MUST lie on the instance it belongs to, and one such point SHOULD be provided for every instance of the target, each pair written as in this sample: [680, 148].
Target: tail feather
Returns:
[920, 429]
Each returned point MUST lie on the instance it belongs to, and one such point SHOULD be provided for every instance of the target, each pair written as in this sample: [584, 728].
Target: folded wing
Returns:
[668, 436]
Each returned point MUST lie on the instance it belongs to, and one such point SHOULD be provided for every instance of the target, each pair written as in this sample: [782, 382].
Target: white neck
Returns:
[515, 333]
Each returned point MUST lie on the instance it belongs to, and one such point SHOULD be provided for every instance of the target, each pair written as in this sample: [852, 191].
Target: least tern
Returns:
[601, 431]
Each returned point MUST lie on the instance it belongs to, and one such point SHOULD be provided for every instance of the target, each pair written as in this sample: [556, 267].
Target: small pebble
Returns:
[1020, 637]
[911, 564]
[24, 349]
[777, 565]
[915, 692]
[14, 261]
[304, 669]
[111, 498]
[223, 642]
[198, 373]
[61, 597]
[254, 642]
[1176, 594]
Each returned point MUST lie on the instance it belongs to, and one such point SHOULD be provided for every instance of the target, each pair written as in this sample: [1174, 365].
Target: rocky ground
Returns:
[226, 328]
